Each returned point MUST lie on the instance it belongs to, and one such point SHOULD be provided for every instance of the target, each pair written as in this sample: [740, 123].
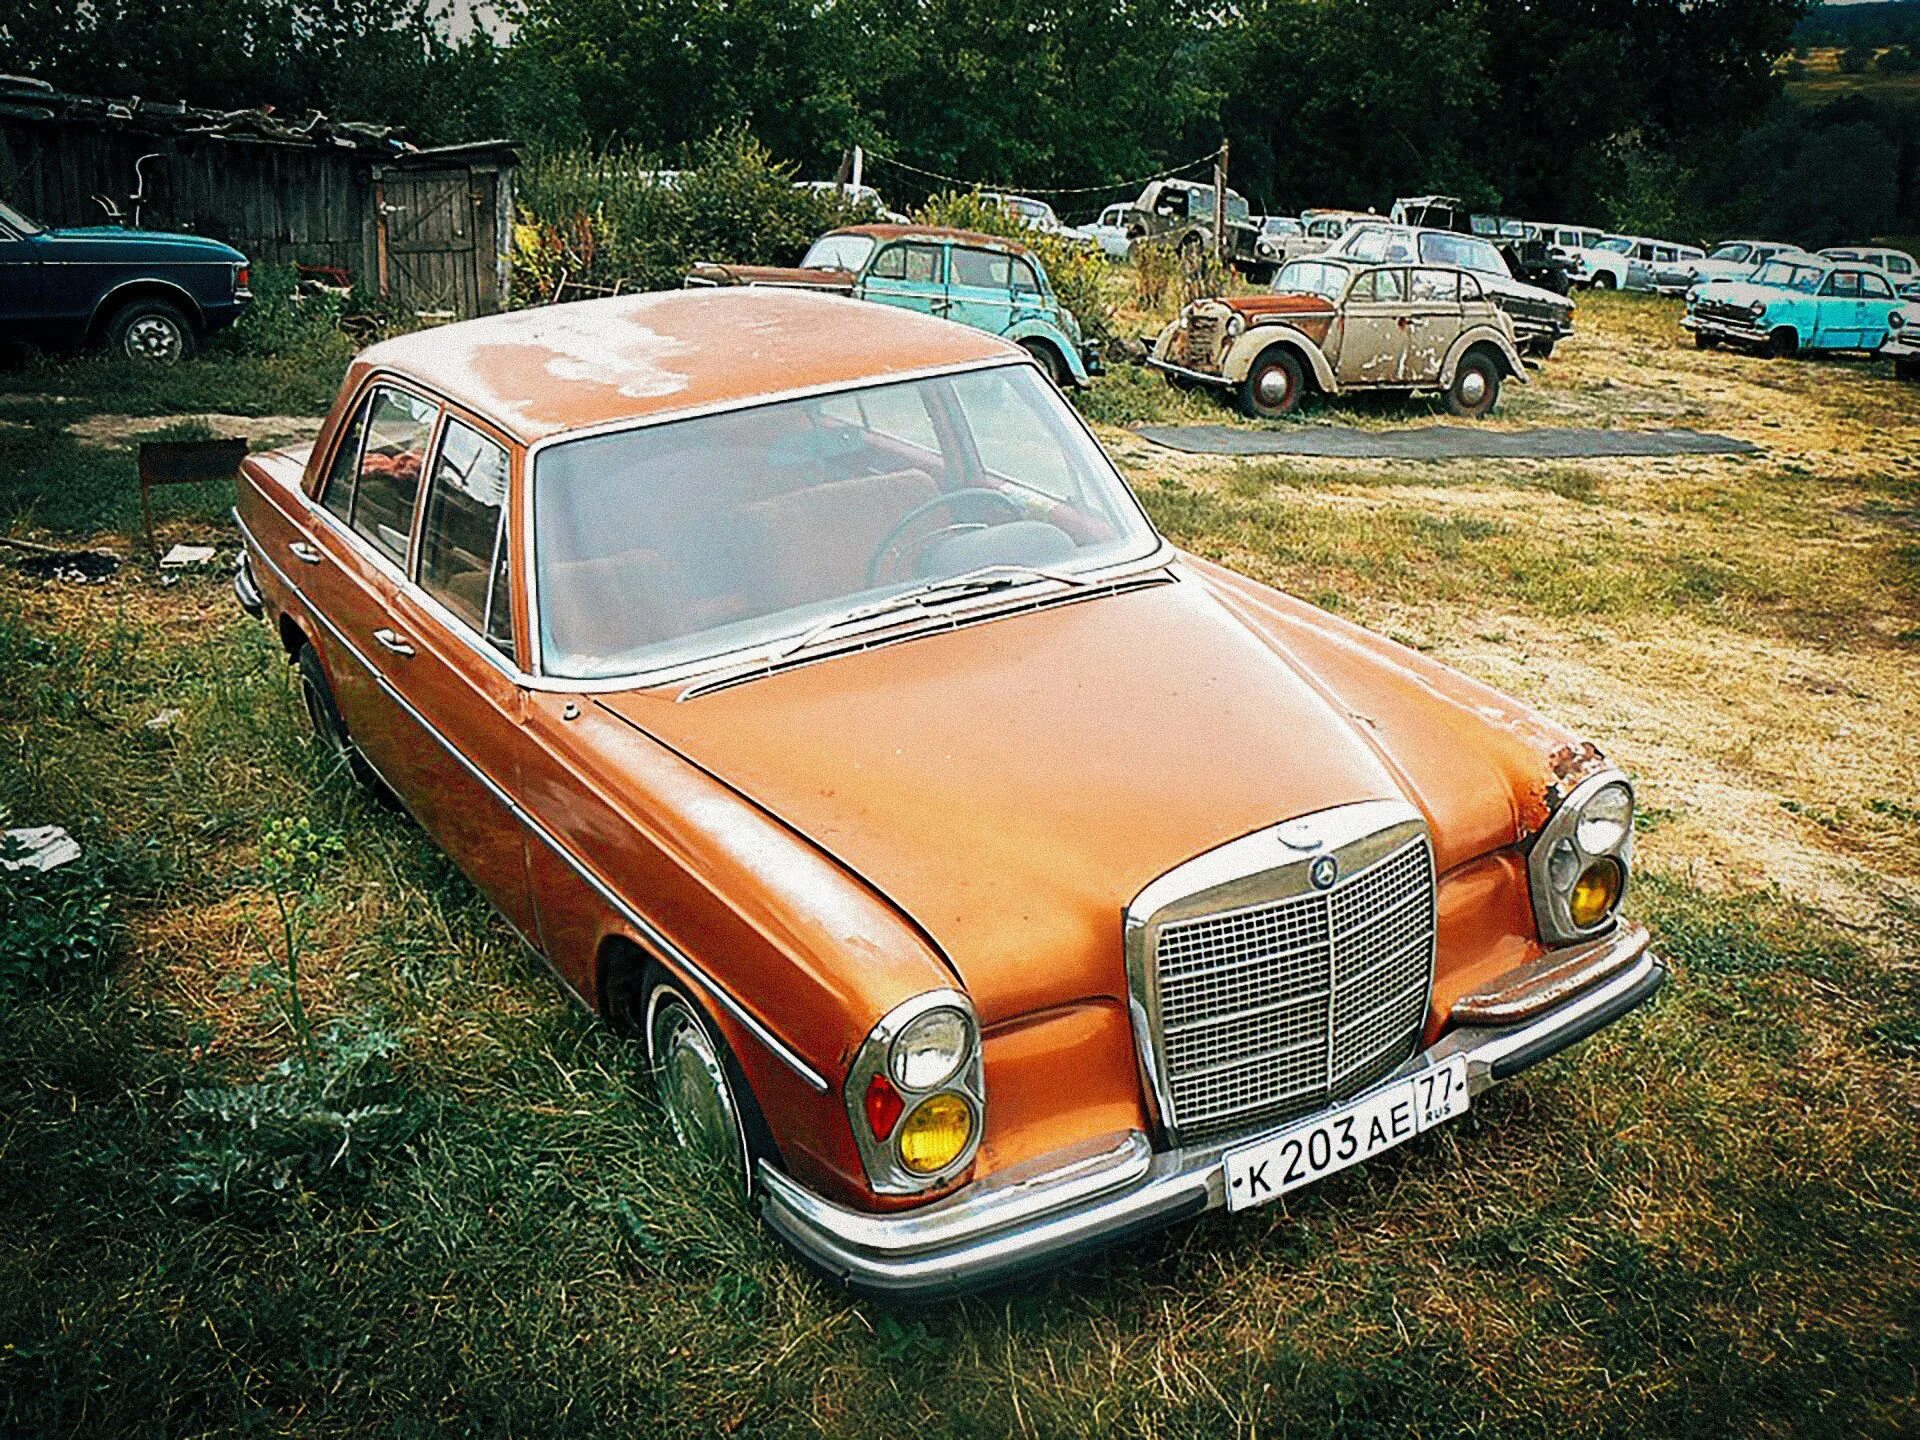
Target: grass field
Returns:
[457, 1213]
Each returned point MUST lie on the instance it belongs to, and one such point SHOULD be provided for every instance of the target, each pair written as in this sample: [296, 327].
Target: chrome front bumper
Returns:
[1154, 362]
[1735, 330]
[1049, 1210]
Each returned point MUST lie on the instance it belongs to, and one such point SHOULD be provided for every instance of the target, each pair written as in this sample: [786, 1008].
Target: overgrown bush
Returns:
[55, 927]
[312, 1126]
[593, 223]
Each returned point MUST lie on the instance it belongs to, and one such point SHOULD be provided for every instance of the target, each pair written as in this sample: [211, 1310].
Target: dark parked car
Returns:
[1528, 256]
[148, 294]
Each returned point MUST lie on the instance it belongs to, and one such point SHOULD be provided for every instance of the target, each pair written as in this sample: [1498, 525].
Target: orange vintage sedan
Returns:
[986, 878]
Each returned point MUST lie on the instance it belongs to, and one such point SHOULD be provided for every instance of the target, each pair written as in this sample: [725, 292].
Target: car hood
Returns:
[1745, 292]
[1013, 784]
[148, 242]
[1253, 306]
[1521, 290]
[717, 274]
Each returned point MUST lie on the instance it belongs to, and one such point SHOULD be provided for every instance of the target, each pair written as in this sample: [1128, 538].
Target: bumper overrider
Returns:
[1087, 1197]
[1741, 332]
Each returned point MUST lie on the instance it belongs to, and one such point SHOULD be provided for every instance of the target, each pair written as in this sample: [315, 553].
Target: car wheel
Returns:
[1704, 341]
[1905, 369]
[1272, 387]
[1540, 347]
[153, 331]
[1049, 360]
[1476, 385]
[708, 1104]
[1783, 344]
[328, 727]
[1603, 281]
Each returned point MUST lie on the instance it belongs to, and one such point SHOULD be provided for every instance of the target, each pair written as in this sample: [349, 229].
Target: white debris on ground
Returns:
[164, 720]
[185, 557]
[37, 847]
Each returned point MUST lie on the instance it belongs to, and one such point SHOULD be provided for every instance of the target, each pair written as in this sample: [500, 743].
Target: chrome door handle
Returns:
[303, 551]
[393, 640]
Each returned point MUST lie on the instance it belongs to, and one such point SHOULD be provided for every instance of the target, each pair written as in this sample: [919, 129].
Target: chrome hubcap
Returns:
[1473, 387]
[692, 1086]
[1273, 386]
[153, 337]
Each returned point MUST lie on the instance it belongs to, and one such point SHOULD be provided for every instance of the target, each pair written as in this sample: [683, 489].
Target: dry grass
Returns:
[1704, 1222]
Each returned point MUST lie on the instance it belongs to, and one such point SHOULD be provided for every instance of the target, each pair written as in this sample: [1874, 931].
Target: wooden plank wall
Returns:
[278, 203]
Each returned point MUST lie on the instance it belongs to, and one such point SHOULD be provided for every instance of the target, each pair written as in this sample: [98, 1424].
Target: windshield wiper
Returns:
[922, 597]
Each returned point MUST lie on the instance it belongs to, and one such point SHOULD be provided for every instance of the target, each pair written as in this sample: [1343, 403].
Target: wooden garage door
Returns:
[434, 242]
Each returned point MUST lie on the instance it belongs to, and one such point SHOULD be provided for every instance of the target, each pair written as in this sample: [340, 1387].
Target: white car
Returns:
[1109, 232]
[1628, 262]
[1274, 232]
[1902, 345]
[1729, 260]
[855, 195]
[1037, 215]
[1319, 230]
[1900, 266]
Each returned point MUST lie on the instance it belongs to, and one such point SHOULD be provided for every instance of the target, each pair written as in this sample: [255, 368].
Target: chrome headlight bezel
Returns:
[887, 1173]
[1236, 325]
[1560, 840]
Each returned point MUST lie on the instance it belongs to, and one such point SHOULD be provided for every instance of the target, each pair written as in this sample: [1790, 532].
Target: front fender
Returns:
[1244, 351]
[1484, 335]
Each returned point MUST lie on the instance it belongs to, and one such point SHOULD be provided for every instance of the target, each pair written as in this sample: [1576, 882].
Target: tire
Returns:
[1603, 280]
[1540, 347]
[1273, 386]
[1783, 344]
[155, 332]
[710, 1108]
[1906, 369]
[1050, 361]
[1476, 385]
[1703, 341]
[331, 731]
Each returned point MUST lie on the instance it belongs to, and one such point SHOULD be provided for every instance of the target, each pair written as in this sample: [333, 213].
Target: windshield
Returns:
[1789, 276]
[1375, 244]
[838, 252]
[1618, 244]
[1312, 277]
[683, 542]
[1280, 225]
[1729, 252]
[17, 222]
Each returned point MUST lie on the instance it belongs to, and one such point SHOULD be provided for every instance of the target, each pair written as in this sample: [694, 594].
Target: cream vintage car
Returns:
[1336, 325]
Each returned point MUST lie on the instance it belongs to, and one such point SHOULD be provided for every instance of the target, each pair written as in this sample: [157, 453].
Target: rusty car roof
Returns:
[558, 368]
[933, 232]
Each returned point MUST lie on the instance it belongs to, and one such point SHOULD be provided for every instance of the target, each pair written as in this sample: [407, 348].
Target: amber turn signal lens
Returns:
[935, 1133]
[1595, 893]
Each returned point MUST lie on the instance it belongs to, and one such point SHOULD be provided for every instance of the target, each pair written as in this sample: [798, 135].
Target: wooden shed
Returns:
[426, 229]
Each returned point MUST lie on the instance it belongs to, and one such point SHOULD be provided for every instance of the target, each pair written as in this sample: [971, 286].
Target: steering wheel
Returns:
[892, 537]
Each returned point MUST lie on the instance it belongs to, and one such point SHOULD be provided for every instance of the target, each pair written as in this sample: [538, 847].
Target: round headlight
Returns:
[1605, 820]
[1236, 322]
[1896, 320]
[1756, 309]
[1594, 894]
[929, 1050]
[935, 1133]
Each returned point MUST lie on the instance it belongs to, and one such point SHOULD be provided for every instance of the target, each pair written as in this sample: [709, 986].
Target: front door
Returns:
[21, 298]
[909, 274]
[455, 652]
[1373, 335]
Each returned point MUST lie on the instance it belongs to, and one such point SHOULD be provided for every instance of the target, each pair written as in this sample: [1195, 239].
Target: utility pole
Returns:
[1220, 204]
[859, 163]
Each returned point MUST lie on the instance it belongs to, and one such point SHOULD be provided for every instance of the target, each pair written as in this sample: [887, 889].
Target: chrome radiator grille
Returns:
[1269, 1010]
[1201, 343]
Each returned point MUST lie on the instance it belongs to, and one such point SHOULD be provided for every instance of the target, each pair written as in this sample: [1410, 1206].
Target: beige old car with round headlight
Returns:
[1337, 325]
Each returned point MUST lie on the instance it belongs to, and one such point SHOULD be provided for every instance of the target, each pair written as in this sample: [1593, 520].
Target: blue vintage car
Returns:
[147, 294]
[985, 281]
[1795, 303]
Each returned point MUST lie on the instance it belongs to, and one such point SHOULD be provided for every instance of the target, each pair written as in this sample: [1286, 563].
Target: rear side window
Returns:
[917, 263]
[1443, 285]
[463, 545]
[981, 269]
[399, 427]
[1899, 265]
[1874, 287]
[338, 496]
[1846, 284]
[1025, 280]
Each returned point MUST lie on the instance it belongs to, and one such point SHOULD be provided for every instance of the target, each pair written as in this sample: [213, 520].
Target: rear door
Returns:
[1373, 335]
[1433, 322]
[1877, 302]
[980, 288]
[907, 273]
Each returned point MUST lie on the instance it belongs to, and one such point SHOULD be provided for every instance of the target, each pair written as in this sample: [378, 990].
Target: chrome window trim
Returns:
[1157, 554]
[1269, 865]
[653, 936]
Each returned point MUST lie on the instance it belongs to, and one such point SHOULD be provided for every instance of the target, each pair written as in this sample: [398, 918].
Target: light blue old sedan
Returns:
[1793, 304]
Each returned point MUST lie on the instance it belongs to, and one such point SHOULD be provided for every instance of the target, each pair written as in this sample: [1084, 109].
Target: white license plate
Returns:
[1316, 1148]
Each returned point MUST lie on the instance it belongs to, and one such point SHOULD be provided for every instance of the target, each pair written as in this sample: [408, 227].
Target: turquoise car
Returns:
[993, 284]
[1793, 304]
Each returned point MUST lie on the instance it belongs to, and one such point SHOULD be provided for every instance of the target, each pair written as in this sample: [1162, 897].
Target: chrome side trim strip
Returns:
[667, 948]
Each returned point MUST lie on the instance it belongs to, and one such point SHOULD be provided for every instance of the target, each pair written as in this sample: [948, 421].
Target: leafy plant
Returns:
[292, 857]
[55, 926]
